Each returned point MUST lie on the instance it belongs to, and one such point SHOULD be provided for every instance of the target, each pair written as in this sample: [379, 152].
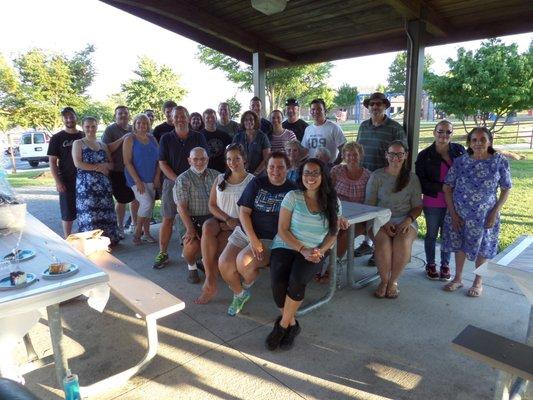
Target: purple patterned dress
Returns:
[475, 192]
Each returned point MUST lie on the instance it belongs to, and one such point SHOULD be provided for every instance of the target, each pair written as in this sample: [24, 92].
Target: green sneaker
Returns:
[238, 303]
[160, 260]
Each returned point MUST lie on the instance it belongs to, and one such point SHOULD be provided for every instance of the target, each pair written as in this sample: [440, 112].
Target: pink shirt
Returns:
[439, 201]
[349, 189]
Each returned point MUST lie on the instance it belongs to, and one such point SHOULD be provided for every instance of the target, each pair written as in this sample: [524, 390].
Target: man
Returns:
[114, 136]
[265, 125]
[294, 122]
[374, 135]
[168, 125]
[216, 139]
[63, 169]
[174, 148]
[191, 195]
[226, 124]
[323, 133]
[151, 116]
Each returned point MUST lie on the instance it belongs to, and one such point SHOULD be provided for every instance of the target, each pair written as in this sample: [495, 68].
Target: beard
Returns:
[198, 171]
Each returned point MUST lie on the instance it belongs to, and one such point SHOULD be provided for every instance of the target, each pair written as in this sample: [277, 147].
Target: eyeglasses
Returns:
[314, 174]
[398, 155]
[447, 133]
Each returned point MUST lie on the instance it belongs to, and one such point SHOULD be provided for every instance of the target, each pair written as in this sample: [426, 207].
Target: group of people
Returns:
[268, 192]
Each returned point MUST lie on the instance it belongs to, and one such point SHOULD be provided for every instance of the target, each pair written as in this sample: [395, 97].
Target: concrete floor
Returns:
[356, 346]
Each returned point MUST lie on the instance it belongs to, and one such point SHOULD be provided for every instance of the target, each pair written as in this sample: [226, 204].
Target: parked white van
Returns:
[33, 147]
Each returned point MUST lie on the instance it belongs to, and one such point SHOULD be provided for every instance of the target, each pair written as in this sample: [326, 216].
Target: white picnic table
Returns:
[21, 309]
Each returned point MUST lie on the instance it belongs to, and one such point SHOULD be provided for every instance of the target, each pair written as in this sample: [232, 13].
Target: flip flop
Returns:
[381, 291]
[452, 286]
[392, 292]
[474, 291]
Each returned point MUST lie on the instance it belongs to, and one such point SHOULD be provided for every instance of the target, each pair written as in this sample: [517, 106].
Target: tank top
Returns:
[144, 158]
[227, 199]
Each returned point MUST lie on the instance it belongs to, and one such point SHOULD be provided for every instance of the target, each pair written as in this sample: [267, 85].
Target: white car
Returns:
[33, 147]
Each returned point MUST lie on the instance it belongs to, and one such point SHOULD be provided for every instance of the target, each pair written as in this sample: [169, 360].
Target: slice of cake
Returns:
[17, 278]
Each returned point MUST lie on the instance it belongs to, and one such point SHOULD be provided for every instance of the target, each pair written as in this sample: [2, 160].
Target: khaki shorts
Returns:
[239, 239]
[168, 207]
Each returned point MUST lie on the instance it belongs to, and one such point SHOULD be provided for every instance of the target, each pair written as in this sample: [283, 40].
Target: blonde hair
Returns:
[137, 119]
[353, 146]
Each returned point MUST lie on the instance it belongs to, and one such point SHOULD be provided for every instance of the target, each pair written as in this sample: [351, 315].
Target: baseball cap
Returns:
[292, 102]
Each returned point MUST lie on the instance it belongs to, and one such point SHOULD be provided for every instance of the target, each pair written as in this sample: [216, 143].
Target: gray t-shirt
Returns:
[114, 132]
[231, 128]
[379, 192]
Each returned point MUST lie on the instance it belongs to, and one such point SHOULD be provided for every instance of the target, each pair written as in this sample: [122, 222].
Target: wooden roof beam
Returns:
[419, 9]
[188, 14]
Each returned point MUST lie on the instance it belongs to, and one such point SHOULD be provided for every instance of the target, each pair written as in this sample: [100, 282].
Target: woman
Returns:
[349, 180]
[248, 246]
[254, 141]
[94, 200]
[396, 188]
[472, 223]
[297, 154]
[432, 165]
[307, 228]
[141, 159]
[225, 193]
[280, 136]
[196, 122]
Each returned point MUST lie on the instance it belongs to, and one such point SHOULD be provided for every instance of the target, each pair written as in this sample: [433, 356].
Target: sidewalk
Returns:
[356, 346]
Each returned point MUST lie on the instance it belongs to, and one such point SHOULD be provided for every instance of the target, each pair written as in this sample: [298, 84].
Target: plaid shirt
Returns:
[193, 189]
[346, 188]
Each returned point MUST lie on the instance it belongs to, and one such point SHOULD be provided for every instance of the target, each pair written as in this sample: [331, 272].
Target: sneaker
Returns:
[200, 265]
[275, 337]
[193, 276]
[148, 239]
[431, 272]
[160, 260]
[445, 274]
[121, 235]
[288, 340]
[371, 261]
[130, 230]
[363, 250]
[238, 303]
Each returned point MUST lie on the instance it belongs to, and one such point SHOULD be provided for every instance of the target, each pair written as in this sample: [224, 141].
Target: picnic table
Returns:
[355, 213]
[20, 308]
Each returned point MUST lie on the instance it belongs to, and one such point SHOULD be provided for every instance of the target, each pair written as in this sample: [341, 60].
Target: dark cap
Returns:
[377, 96]
[67, 110]
[292, 102]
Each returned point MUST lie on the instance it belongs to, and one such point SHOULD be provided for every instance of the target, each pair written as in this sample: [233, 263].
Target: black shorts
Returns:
[121, 192]
[67, 202]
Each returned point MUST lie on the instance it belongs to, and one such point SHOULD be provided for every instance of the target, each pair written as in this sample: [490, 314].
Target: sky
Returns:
[67, 26]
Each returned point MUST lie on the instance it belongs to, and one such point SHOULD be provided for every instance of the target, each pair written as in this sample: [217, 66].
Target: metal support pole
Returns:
[413, 89]
[56, 334]
[259, 77]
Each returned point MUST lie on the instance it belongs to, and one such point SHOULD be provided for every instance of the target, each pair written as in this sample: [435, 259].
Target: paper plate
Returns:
[73, 269]
[5, 283]
[22, 255]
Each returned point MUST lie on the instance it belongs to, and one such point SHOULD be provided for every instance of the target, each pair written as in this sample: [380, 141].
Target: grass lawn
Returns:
[31, 178]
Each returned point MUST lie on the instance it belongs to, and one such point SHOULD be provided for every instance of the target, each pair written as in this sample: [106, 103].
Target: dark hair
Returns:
[256, 119]
[405, 173]
[483, 129]
[195, 114]
[232, 147]
[279, 154]
[327, 196]
[276, 111]
[120, 108]
[169, 104]
[255, 98]
[318, 101]
[89, 118]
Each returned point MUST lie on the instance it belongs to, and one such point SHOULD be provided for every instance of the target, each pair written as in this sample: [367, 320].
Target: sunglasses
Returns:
[447, 133]
[313, 174]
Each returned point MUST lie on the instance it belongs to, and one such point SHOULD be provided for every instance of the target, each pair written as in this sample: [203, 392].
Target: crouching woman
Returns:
[307, 228]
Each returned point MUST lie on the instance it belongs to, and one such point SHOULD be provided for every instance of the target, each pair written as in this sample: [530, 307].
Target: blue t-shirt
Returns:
[175, 151]
[264, 199]
[254, 150]
[144, 159]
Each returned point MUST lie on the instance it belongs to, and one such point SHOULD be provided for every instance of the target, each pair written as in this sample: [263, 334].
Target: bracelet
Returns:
[301, 248]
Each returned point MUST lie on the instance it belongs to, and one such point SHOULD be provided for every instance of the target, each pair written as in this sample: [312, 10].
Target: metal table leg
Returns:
[56, 334]
[361, 283]
[332, 285]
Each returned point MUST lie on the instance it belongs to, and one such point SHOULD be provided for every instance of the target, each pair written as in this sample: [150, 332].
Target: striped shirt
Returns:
[277, 142]
[193, 189]
[310, 228]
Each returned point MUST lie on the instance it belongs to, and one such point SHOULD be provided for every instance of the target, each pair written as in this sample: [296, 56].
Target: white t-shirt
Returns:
[329, 135]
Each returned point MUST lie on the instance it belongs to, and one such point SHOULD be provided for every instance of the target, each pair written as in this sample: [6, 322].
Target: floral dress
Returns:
[94, 201]
[475, 192]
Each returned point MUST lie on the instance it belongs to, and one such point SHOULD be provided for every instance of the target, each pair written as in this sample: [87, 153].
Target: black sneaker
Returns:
[371, 261]
[288, 340]
[274, 338]
[200, 266]
[363, 250]
[193, 277]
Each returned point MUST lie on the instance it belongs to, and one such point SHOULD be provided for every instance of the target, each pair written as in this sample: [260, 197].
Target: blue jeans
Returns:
[434, 221]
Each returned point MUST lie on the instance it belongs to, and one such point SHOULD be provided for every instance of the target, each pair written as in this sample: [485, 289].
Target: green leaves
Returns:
[345, 95]
[396, 80]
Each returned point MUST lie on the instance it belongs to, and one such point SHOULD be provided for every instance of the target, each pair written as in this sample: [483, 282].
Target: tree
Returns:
[304, 82]
[492, 82]
[152, 87]
[234, 106]
[345, 96]
[397, 78]
[33, 92]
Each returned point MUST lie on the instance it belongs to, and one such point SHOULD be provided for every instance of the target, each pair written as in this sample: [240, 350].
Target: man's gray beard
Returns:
[196, 171]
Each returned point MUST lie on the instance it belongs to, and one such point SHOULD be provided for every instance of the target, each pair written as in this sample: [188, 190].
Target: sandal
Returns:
[474, 291]
[452, 286]
[392, 291]
[318, 276]
[381, 290]
[325, 277]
